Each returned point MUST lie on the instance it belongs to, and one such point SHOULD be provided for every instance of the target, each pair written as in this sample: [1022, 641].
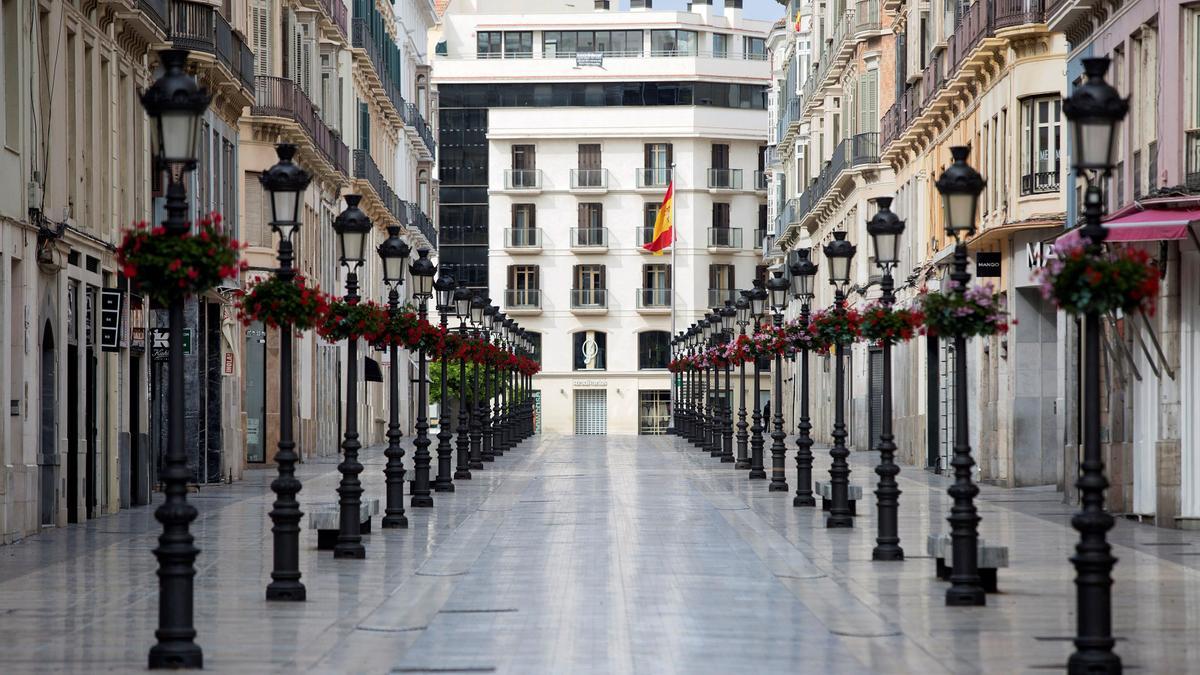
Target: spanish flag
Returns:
[663, 223]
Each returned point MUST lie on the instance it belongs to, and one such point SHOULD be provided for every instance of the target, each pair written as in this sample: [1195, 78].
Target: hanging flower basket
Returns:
[978, 311]
[344, 321]
[169, 267]
[798, 335]
[887, 325]
[277, 302]
[830, 328]
[1079, 281]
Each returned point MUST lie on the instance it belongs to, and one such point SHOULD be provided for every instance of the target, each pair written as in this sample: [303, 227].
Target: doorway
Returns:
[591, 412]
[48, 451]
[1145, 432]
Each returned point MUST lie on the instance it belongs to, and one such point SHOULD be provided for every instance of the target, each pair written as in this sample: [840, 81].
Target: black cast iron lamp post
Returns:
[778, 287]
[885, 229]
[175, 103]
[712, 332]
[485, 413]
[352, 227]
[1094, 111]
[758, 308]
[394, 253]
[728, 315]
[839, 253]
[462, 310]
[423, 270]
[445, 287]
[285, 184]
[500, 324]
[742, 310]
[478, 307]
[804, 273]
[960, 186]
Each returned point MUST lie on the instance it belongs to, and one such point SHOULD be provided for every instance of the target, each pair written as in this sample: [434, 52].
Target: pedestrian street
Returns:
[596, 555]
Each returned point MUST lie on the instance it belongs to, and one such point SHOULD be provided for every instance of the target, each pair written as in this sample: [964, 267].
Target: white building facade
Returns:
[560, 133]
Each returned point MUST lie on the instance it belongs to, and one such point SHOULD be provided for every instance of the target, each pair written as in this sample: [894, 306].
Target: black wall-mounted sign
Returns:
[987, 264]
[110, 319]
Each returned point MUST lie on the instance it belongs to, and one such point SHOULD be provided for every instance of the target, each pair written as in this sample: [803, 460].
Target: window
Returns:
[657, 171]
[488, 44]
[868, 105]
[672, 43]
[589, 350]
[754, 48]
[608, 42]
[657, 275]
[720, 215]
[591, 216]
[524, 216]
[589, 174]
[654, 349]
[423, 190]
[650, 215]
[11, 25]
[600, 94]
[518, 45]
[1041, 143]
[1191, 151]
[720, 156]
[535, 343]
[720, 47]
[762, 224]
[654, 411]
[589, 155]
[720, 276]
[523, 286]
[524, 157]
[590, 287]
[364, 126]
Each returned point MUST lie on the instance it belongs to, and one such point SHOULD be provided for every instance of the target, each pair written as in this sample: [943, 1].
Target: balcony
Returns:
[724, 238]
[761, 181]
[524, 180]
[654, 300]
[1191, 159]
[645, 235]
[589, 239]
[366, 171]
[523, 239]
[653, 178]
[1011, 13]
[281, 97]
[717, 297]
[382, 75]
[837, 51]
[789, 213]
[416, 125]
[589, 301]
[858, 150]
[146, 19]
[523, 300]
[335, 15]
[866, 19]
[789, 121]
[1041, 182]
[424, 226]
[724, 179]
[589, 180]
[200, 28]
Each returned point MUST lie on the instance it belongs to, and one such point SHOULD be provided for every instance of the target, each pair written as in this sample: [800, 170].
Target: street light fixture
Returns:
[445, 287]
[352, 227]
[423, 270]
[839, 253]
[885, 229]
[285, 184]
[1094, 112]
[462, 310]
[779, 296]
[804, 274]
[960, 186]
[727, 316]
[175, 103]
[758, 306]
[394, 253]
[742, 310]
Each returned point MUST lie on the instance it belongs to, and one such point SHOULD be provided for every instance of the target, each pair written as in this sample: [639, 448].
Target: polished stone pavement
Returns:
[596, 555]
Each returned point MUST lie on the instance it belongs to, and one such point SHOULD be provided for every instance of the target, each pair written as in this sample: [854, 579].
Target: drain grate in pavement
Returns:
[477, 611]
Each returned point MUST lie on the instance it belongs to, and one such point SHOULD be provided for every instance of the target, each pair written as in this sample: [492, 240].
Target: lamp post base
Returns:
[969, 597]
[286, 591]
[1098, 658]
[837, 522]
[804, 501]
[422, 501]
[350, 551]
[176, 656]
[887, 553]
[394, 522]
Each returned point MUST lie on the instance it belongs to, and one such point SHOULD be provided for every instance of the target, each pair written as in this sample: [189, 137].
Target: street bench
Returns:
[989, 559]
[325, 519]
[825, 489]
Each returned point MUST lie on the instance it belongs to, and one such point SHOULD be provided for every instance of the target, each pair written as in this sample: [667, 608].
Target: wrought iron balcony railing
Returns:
[1039, 183]
[366, 169]
[725, 179]
[589, 298]
[523, 237]
[725, 237]
[199, 27]
[653, 298]
[281, 97]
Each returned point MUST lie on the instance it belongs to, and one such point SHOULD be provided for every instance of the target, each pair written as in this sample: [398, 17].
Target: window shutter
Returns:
[869, 118]
[603, 276]
[253, 220]
[260, 28]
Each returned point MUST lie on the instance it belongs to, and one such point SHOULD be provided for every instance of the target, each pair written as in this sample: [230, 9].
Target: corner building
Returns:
[560, 133]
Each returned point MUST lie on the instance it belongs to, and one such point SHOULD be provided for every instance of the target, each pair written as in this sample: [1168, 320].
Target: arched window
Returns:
[422, 97]
[654, 349]
[589, 350]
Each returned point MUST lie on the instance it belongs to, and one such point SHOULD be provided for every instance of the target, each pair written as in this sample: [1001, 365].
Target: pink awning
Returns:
[1147, 225]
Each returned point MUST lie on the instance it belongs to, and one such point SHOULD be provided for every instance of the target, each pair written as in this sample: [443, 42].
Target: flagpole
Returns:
[674, 279]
